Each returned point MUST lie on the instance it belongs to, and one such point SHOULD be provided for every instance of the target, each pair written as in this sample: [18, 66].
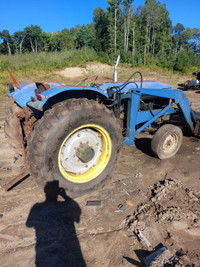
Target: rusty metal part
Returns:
[18, 115]
[47, 86]
[14, 181]
[28, 125]
[28, 122]
[25, 115]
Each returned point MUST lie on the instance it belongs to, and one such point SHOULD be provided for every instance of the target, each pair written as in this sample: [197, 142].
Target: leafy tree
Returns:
[18, 39]
[100, 21]
[5, 35]
[176, 35]
[84, 36]
[114, 11]
[155, 28]
[185, 59]
[33, 36]
[126, 17]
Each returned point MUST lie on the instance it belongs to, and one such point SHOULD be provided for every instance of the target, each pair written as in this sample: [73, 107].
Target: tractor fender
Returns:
[55, 95]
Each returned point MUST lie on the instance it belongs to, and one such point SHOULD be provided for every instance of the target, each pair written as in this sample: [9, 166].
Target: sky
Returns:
[55, 15]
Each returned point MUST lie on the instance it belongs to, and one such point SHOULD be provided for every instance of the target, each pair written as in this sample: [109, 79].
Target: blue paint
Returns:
[23, 95]
[26, 90]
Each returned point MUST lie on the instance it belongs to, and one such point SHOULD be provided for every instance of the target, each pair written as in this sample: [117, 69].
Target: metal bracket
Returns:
[27, 130]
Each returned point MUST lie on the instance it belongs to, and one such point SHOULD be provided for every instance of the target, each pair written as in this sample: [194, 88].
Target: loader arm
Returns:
[177, 100]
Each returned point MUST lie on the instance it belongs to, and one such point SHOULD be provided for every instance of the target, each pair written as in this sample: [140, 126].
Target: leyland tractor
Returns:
[73, 134]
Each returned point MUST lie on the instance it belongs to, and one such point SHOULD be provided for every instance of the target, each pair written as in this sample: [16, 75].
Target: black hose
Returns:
[126, 82]
[119, 88]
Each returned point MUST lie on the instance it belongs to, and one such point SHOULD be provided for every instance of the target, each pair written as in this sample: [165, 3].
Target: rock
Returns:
[129, 202]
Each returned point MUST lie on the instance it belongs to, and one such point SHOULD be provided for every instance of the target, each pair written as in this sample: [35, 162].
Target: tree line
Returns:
[142, 35]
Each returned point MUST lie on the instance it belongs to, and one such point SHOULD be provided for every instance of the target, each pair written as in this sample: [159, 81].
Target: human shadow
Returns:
[53, 220]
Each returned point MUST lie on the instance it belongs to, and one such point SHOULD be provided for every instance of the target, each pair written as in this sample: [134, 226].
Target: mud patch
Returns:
[171, 217]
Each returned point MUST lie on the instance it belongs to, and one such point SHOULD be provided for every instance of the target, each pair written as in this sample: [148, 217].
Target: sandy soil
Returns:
[72, 72]
[159, 200]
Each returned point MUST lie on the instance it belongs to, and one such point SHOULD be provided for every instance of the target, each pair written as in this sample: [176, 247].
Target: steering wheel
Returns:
[90, 83]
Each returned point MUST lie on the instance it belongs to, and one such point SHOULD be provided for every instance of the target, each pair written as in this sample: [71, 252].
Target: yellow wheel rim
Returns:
[101, 161]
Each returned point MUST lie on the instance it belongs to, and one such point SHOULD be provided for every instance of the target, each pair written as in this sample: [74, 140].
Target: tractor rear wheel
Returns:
[11, 128]
[76, 143]
[166, 141]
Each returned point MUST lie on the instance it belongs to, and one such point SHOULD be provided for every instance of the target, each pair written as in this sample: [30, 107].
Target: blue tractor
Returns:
[73, 134]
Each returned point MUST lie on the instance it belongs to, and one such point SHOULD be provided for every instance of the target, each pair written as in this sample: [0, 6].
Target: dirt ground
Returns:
[146, 203]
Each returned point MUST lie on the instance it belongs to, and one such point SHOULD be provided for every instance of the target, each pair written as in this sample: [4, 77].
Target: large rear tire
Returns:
[11, 128]
[166, 141]
[76, 143]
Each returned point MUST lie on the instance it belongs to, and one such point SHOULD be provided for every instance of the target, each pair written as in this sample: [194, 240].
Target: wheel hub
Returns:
[81, 151]
[170, 143]
[85, 153]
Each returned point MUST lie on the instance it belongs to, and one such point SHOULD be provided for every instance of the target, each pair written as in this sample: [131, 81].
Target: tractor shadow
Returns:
[144, 145]
[56, 240]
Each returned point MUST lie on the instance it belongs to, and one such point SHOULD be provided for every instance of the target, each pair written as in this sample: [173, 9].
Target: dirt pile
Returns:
[171, 217]
[90, 69]
[73, 72]
[100, 69]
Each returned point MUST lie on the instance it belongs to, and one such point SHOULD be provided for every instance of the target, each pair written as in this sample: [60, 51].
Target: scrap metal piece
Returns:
[121, 207]
[14, 181]
[93, 203]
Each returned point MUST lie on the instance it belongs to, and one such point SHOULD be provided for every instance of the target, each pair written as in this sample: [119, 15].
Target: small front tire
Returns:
[166, 141]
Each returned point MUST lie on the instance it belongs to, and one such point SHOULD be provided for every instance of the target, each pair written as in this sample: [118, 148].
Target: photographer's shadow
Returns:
[53, 220]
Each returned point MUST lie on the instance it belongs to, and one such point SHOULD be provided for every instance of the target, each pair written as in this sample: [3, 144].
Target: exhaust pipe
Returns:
[115, 74]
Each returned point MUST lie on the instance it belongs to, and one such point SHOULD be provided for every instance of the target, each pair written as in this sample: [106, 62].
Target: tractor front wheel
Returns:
[166, 141]
[76, 143]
